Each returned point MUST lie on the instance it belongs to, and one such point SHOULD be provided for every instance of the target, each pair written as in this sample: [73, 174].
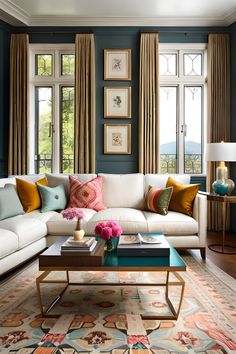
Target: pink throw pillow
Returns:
[86, 195]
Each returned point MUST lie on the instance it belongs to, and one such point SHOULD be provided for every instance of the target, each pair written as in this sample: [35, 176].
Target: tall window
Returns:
[52, 108]
[182, 100]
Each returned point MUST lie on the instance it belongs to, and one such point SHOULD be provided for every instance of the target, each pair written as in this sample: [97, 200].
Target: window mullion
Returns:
[181, 134]
[56, 129]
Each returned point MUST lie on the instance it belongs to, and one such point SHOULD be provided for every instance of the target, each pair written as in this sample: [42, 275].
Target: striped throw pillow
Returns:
[158, 199]
[86, 195]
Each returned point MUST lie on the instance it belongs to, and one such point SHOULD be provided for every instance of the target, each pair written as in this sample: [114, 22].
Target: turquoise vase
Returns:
[110, 245]
[220, 187]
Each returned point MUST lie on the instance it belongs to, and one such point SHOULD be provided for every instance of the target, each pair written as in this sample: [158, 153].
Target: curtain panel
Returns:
[218, 124]
[18, 119]
[84, 161]
[149, 104]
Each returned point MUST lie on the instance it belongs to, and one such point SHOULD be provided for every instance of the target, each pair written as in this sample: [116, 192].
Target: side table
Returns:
[226, 199]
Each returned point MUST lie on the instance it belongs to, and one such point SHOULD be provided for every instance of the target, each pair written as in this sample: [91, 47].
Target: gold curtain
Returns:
[18, 124]
[149, 104]
[218, 125]
[84, 104]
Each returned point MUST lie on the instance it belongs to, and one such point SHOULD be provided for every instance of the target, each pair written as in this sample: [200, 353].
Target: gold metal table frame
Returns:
[42, 279]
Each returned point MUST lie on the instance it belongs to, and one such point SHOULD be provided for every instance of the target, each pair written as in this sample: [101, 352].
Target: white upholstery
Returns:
[123, 191]
[59, 226]
[27, 230]
[130, 220]
[8, 242]
[23, 236]
[171, 224]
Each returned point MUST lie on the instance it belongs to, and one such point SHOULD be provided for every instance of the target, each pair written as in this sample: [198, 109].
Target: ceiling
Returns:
[118, 12]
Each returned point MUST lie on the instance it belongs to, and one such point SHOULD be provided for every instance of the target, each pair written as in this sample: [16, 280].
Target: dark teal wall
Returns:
[4, 95]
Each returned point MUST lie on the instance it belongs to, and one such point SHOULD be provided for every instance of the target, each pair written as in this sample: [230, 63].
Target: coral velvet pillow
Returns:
[182, 197]
[86, 195]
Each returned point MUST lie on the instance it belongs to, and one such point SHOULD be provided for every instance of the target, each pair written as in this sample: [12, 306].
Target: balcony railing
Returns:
[44, 163]
[192, 163]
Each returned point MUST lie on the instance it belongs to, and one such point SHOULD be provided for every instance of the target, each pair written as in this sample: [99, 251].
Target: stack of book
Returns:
[71, 247]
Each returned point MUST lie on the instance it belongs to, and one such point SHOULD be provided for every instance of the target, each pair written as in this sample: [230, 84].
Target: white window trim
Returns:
[56, 81]
[181, 81]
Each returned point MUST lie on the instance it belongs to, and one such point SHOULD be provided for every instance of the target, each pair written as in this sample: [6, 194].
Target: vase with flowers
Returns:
[108, 231]
[71, 214]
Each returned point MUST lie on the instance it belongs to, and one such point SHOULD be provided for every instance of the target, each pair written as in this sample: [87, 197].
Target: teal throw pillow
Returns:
[10, 204]
[53, 198]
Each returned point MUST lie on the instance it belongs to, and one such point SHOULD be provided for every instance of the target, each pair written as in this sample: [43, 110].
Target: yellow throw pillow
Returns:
[29, 194]
[182, 197]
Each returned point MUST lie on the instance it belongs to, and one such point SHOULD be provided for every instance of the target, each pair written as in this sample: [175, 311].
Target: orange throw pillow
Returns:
[29, 194]
[182, 196]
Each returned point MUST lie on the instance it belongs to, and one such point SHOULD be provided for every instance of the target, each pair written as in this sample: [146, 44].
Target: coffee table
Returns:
[52, 260]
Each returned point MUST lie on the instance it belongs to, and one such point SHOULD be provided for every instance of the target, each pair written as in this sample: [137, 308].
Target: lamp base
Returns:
[220, 187]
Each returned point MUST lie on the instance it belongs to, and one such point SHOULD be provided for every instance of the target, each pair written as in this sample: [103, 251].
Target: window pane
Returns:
[43, 64]
[67, 129]
[192, 64]
[193, 120]
[168, 97]
[44, 129]
[67, 64]
[167, 64]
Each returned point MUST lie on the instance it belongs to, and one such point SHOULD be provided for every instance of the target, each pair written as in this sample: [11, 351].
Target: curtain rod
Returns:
[154, 31]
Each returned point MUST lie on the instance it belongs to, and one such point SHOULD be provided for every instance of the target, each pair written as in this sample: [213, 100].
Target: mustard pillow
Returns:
[182, 196]
[29, 194]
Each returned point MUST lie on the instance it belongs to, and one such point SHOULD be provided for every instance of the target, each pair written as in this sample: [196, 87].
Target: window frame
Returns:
[180, 81]
[56, 81]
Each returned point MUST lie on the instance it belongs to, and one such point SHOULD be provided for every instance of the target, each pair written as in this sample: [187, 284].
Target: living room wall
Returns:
[108, 37]
[4, 95]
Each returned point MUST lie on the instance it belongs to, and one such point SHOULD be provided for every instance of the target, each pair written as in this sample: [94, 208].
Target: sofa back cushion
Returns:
[160, 180]
[10, 204]
[4, 181]
[123, 190]
[54, 179]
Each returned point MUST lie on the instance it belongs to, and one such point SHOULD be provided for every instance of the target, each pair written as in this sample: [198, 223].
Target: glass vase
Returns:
[110, 245]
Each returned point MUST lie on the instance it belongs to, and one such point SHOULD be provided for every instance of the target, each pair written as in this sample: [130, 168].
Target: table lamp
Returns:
[221, 152]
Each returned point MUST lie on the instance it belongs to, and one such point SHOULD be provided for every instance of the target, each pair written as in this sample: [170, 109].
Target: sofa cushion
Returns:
[29, 194]
[56, 225]
[44, 217]
[60, 178]
[173, 223]
[53, 198]
[159, 180]
[8, 242]
[86, 195]
[10, 204]
[130, 220]
[27, 230]
[158, 199]
[123, 191]
[182, 197]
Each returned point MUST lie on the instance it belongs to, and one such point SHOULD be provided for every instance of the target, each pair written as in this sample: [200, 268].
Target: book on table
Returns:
[72, 247]
[143, 245]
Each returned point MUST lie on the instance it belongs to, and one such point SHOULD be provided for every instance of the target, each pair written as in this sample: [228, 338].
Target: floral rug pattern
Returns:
[93, 319]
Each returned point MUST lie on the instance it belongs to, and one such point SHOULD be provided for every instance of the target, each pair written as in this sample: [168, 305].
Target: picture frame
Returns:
[117, 139]
[117, 64]
[117, 102]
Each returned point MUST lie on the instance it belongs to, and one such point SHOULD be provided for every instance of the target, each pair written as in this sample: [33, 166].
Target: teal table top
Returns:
[173, 262]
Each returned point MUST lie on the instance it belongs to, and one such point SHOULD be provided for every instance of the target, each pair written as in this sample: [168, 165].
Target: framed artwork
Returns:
[117, 138]
[117, 102]
[117, 64]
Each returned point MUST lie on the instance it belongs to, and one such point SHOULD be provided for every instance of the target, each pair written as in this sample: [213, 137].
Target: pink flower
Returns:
[106, 233]
[72, 213]
[107, 230]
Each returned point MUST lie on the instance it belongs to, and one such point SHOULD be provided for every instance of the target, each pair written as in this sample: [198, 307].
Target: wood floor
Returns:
[226, 262]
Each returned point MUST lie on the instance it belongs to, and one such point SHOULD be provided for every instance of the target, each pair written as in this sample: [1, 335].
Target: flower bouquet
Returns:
[108, 231]
[71, 214]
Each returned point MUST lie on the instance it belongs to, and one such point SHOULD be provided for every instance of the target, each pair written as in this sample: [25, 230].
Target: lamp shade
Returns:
[220, 152]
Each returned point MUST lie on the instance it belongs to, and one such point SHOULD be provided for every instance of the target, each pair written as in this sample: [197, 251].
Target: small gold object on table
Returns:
[78, 233]
[70, 214]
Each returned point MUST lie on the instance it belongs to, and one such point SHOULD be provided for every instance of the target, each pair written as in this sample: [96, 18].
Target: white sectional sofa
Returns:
[23, 236]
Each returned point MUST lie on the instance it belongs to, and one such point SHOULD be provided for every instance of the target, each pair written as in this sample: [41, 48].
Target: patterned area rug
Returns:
[97, 319]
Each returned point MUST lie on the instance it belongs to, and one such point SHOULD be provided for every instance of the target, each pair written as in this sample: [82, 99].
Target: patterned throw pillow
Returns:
[86, 195]
[182, 197]
[158, 199]
[29, 194]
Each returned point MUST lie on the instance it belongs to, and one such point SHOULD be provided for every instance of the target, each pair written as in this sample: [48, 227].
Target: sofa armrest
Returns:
[200, 215]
